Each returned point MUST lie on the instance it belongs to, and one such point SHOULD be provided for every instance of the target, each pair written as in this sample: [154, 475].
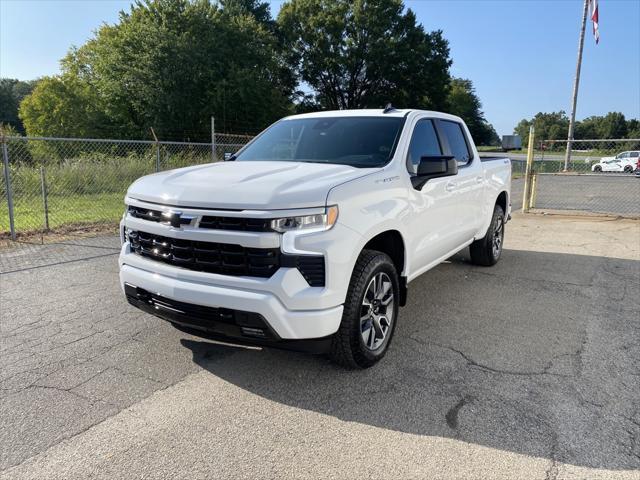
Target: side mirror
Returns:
[437, 166]
[228, 156]
[434, 166]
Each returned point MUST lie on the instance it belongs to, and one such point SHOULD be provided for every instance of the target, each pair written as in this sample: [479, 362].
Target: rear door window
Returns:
[456, 139]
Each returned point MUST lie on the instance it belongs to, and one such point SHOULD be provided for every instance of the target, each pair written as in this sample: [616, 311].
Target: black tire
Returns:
[628, 169]
[485, 251]
[597, 168]
[348, 347]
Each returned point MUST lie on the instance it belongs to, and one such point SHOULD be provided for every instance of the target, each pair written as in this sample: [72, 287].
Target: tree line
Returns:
[555, 126]
[172, 64]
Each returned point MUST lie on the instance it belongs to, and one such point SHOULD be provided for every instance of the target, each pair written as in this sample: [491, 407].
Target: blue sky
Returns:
[520, 54]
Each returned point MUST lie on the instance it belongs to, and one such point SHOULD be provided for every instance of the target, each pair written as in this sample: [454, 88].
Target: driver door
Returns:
[433, 204]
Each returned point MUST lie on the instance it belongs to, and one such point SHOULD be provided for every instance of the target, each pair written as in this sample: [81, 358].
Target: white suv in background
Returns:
[623, 162]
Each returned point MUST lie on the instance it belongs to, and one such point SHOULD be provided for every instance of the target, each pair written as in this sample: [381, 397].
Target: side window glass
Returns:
[634, 154]
[457, 143]
[424, 142]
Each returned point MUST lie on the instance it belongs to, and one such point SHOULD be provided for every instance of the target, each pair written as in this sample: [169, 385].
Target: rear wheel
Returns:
[487, 250]
[370, 312]
[628, 169]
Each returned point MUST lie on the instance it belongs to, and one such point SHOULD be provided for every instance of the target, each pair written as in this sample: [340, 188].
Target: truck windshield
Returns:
[357, 141]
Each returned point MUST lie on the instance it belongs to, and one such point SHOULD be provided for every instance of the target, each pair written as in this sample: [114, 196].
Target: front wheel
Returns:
[370, 312]
[487, 250]
[597, 168]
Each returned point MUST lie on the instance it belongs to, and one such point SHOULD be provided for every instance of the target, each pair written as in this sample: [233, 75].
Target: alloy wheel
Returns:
[376, 313]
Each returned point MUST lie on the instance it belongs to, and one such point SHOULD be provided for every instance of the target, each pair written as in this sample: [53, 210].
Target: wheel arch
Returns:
[392, 243]
[503, 201]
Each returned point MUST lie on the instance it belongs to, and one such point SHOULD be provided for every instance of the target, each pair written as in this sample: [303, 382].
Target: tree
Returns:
[170, 65]
[12, 92]
[464, 102]
[555, 126]
[613, 125]
[549, 126]
[358, 54]
[62, 106]
[633, 128]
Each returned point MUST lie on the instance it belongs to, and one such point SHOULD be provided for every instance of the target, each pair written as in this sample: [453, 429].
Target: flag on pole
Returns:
[594, 19]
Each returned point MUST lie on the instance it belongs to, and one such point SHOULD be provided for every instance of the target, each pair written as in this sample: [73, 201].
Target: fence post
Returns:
[534, 189]
[213, 139]
[7, 179]
[527, 173]
[157, 150]
[45, 203]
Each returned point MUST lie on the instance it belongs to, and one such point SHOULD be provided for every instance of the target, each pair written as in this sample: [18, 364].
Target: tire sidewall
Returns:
[380, 263]
[498, 216]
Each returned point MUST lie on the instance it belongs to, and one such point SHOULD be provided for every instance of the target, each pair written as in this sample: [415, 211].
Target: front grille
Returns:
[222, 258]
[145, 213]
[236, 223]
[242, 224]
[225, 258]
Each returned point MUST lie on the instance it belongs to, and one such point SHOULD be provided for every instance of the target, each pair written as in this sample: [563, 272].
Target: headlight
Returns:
[320, 221]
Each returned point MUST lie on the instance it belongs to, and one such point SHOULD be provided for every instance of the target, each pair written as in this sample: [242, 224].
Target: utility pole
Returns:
[576, 84]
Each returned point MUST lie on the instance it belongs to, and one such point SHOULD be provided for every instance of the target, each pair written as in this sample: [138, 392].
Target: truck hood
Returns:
[245, 185]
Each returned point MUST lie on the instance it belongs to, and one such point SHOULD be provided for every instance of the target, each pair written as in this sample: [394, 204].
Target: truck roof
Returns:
[373, 112]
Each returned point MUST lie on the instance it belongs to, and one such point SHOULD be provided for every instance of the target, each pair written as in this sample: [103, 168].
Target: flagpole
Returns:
[576, 84]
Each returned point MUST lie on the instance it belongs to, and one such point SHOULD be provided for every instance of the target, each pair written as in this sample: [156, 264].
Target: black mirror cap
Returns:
[434, 167]
[437, 166]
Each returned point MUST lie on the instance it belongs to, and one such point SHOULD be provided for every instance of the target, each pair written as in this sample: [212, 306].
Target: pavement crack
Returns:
[472, 363]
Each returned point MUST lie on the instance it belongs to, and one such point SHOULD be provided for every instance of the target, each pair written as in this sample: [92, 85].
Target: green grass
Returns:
[64, 211]
[81, 190]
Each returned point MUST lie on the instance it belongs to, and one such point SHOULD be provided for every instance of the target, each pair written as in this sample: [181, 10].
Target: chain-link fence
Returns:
[54, 187]
[600, 176]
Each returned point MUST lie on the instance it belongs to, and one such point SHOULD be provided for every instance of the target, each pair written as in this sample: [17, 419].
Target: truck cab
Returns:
[309, 236]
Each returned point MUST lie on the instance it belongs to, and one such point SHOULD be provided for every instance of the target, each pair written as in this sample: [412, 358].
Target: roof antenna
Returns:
[388, 108]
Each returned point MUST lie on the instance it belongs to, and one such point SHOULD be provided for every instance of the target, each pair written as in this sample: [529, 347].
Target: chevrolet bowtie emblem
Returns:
[176, 219]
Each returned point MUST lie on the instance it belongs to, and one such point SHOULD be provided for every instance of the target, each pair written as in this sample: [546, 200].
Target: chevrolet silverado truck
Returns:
[308, 237]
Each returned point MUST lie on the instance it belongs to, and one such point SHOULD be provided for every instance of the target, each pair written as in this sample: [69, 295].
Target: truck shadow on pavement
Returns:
[537, 355]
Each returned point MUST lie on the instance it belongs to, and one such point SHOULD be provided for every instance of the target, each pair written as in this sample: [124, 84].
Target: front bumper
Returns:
[220, 323]
[282, 324]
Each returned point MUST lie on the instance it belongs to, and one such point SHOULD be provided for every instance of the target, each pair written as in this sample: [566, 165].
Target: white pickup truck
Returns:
[308, 236]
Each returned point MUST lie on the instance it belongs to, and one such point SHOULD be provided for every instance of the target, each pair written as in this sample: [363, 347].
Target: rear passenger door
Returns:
[467, 187]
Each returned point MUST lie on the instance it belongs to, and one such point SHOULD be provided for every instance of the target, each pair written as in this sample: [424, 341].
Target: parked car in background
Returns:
[623, 162]
[511, 142]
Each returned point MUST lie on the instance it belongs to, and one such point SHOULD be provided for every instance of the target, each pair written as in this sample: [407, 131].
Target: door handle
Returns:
[449, 187]
[479, 179]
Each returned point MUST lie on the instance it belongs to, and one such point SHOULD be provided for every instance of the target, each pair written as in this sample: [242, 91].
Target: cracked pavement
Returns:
[529, 369]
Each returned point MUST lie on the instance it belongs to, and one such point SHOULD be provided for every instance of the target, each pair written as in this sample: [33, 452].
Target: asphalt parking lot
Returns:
[529, 369]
